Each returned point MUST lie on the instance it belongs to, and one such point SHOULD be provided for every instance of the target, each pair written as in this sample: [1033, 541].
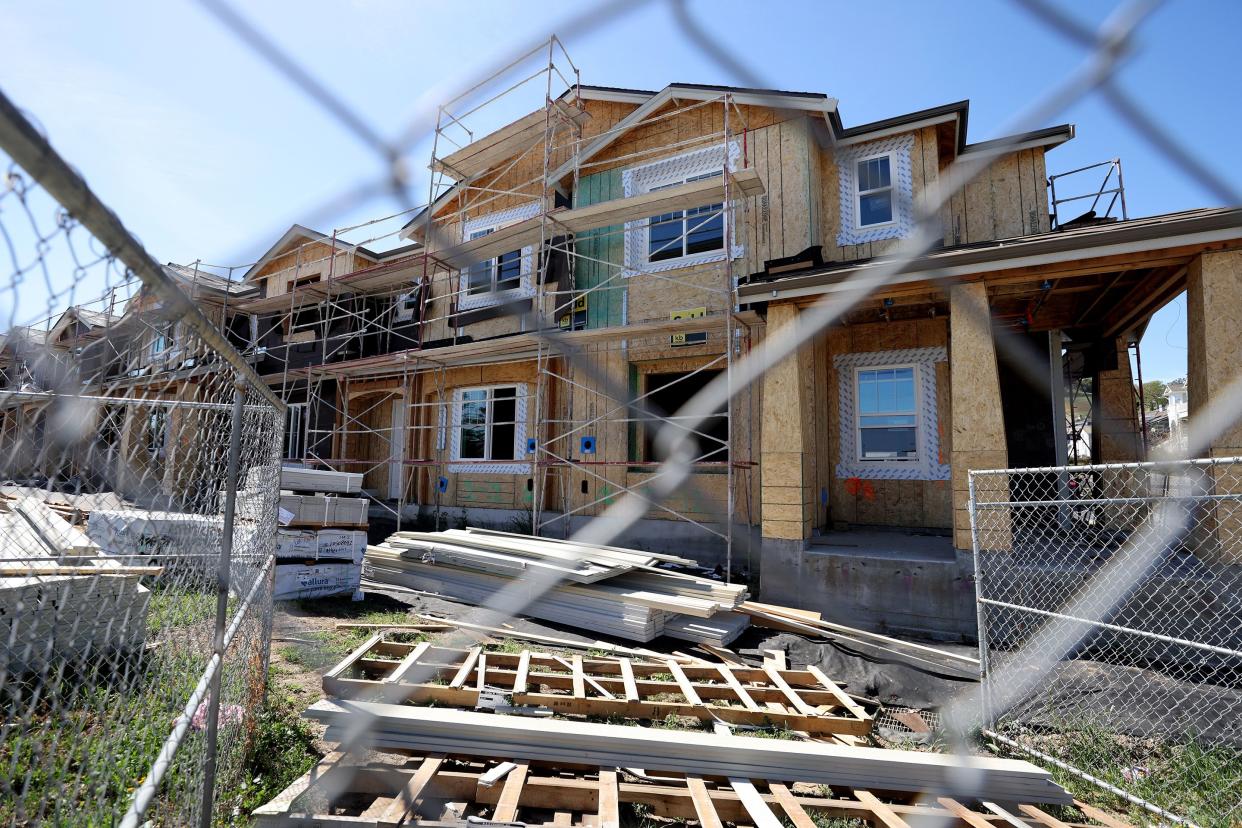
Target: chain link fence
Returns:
[135, 600]
[1149, 701]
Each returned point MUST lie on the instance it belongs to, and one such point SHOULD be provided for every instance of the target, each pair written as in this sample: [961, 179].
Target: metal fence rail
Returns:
[135, 593]
[1150, 699]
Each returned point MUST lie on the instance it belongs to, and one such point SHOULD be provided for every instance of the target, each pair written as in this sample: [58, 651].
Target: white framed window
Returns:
[873, 192]
[505, 277]
[157, 433]
[489, 429]
[683, 237]
[405, 306]
[887, 416]
[876, 190]
[295, 431]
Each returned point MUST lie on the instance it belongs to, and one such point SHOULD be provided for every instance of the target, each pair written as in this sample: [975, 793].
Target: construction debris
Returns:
[447, 731]
[618, 592]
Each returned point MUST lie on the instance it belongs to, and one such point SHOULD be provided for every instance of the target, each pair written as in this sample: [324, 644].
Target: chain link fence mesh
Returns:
[117, 420]
[1148, 701]
[127, 407]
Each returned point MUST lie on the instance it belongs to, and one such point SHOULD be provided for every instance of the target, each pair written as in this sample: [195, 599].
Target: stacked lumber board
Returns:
[301, 479]
[619, 592]
[61, 598]
[449, 731]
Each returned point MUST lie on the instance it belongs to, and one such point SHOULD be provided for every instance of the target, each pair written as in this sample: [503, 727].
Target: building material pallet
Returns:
[435, 790]
[617, 687]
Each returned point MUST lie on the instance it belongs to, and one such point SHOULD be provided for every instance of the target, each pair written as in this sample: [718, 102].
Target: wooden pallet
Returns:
[436, 790]
[802, 700]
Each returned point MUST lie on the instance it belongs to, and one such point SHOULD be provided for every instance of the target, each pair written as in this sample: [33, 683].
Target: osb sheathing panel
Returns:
[787, 436]
[1214, 336]
[912, 503]
[1009, 198]
[310, 259]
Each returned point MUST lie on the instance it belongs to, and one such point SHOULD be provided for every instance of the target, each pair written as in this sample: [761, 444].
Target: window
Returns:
[157, 433]
[494, 275]
[295, 431]
[405, 306]
[666, 394]
[162, 340]
[887, 416]
[487, 422]
[874, 191]
[685, 232]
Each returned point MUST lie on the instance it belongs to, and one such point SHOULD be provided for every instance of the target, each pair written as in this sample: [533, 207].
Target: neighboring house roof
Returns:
[1133, 236]
[297, 234]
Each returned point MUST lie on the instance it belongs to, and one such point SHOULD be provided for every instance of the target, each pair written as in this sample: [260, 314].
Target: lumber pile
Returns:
[447, 731]
[61, 597]
[301, 479]
[472, 791]
[618, 592]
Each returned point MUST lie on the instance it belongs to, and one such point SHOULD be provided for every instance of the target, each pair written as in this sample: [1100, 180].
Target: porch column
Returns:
[978, 425]
[1115, 424]
[1214, 338]
[787, 448]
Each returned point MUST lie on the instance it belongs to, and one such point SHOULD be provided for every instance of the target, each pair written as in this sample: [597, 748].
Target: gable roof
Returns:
[300, 234]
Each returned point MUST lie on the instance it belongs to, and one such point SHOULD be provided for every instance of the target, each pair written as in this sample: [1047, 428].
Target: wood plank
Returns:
[627, 676]
[708, 818]
[776, 658]
[519, 680]
[972, 818]
[406, 803]
[511, 794]
[609, 799]
[737, 688]
[1102, 817]
[760, 814]
[684, 683]
[466, 668]
[882, 812]
[579, 684]
[35, 569]
[841, 696]
[789, 804]
[407, 663]
[794, 699]
[1042, 817]
[563, 818]
[481, 669]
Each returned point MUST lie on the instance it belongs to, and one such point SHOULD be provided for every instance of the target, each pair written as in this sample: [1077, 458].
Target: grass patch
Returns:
[1186, 777]
[282, 749]
[173, 608]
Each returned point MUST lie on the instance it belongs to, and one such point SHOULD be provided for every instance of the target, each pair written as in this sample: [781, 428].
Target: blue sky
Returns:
[206, 153]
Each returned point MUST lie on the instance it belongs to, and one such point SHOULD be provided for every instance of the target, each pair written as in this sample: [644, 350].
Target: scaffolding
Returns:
[585, 362]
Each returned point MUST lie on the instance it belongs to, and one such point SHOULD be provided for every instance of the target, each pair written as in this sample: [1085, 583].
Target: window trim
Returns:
[919, 452]
[493, 222]
[930, 465]
[891, 155]
[900, 149]
[676, 169]
[485, 465]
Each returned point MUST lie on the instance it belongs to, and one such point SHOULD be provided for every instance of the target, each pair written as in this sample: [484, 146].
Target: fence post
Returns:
[223, 574]
[980, 612]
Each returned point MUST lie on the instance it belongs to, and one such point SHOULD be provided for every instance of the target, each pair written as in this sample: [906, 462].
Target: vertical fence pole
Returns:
[223, 572]
[980, 611]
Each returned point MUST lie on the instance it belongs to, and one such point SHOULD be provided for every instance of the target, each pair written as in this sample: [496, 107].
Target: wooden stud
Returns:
[789, 804]
[407, 663]
[840, 695]
[737, 688]
[794, 699]
[1042, 817]
[511, 794]
[609, 799]
[882, 812]
[579, 684]
[972, 818]
[563, 818]
[776, 658]
[519, 680]
[627, 676]
[1102, 817]
[406, 803]
[708, 818]
[466, 668]
[684, 683]
[760, 814]
[481, 682]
